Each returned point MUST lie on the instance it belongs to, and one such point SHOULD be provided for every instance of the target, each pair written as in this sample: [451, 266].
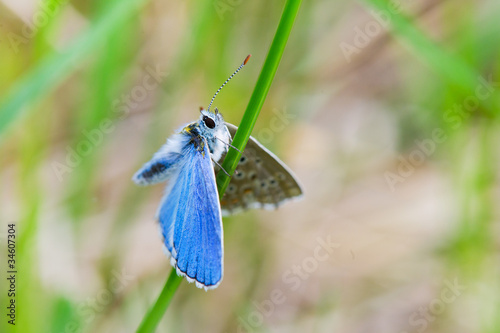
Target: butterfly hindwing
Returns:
[163, 163]
[190, 219]
[261, 180]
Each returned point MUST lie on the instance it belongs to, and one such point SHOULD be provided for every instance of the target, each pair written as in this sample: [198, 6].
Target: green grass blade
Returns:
[155, 314]
[453, 69]
[240, 140]
[259, 93]
[55, 68]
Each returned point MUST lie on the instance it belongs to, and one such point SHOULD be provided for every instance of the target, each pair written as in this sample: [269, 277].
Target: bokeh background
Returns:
[388, 115]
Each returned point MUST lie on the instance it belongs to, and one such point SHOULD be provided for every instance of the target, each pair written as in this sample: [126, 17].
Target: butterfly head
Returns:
[210, 122]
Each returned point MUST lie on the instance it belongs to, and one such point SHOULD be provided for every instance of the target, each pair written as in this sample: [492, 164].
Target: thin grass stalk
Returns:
[154, 315]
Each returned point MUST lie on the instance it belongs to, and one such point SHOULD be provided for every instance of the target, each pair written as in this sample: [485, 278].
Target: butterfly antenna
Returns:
[236, 71]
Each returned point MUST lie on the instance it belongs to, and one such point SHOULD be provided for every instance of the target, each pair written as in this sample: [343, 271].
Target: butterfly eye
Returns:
[209, 122]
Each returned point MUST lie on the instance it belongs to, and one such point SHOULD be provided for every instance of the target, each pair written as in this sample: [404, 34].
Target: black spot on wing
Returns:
[154, 170]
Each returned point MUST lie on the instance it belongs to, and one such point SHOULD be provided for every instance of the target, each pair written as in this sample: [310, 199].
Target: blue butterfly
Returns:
[190, 215]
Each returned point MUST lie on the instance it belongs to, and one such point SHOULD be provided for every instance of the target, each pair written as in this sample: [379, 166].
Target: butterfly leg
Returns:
[220, 166]
[229, 145]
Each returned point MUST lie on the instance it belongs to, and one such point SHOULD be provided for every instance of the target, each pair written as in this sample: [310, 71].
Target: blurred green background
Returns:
[387, 113]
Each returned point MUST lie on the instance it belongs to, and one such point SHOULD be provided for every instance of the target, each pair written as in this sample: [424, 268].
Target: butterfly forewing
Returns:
[261, 180]
[190, 219]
